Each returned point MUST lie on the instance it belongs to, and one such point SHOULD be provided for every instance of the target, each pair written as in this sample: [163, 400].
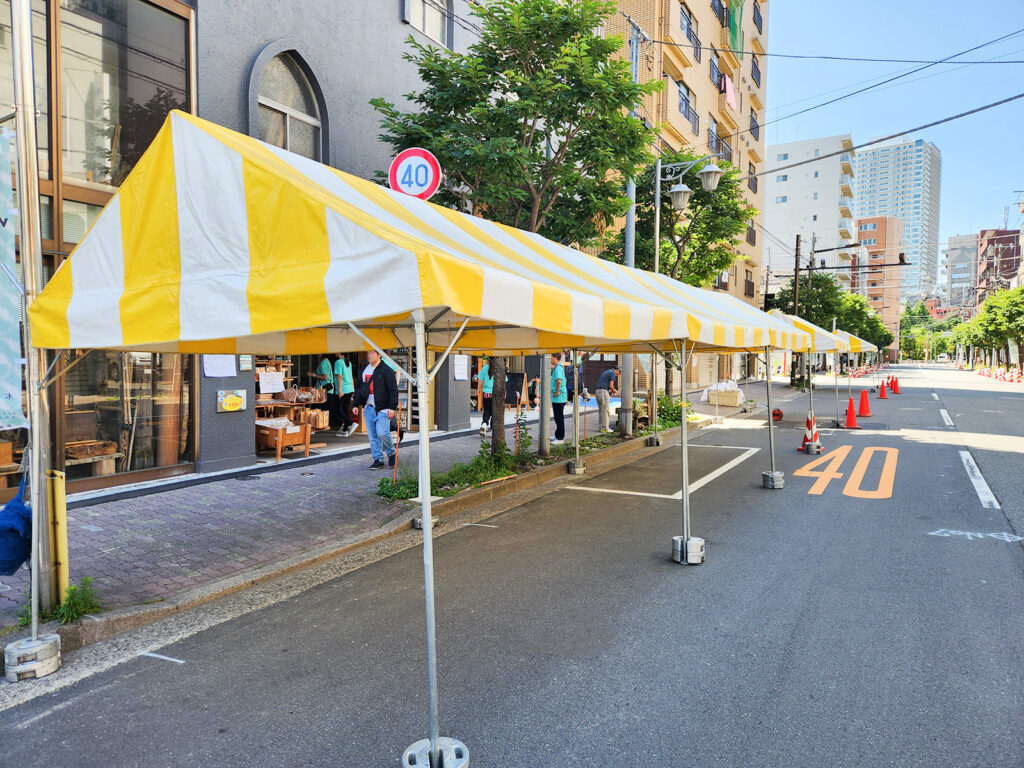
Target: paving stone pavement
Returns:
[149, 548]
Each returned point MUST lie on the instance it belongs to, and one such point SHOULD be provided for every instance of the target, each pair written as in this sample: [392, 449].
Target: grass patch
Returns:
[79, 600]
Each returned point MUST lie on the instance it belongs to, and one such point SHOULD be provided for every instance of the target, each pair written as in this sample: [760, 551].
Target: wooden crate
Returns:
[6, 452]
[275, 439]
[731, 398]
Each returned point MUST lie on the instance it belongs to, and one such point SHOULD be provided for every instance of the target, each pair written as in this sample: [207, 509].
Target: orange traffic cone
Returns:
[881, 392]
[810, 442]
[865, 406]
[851, 417]
[896, 386]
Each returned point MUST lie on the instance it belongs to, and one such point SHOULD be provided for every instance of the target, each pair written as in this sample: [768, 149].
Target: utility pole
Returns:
[636, 35]
[796, 304]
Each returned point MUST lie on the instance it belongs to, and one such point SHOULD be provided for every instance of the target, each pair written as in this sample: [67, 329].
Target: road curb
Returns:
[93, 629]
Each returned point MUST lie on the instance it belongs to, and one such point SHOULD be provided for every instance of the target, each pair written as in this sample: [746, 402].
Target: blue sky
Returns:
[982, 155]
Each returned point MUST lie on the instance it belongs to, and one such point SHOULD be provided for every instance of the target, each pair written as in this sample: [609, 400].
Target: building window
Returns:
[686, 107]
[40, 60]
[124, 66]
[288, 114]
[815, 174]
[814, 217]
[781, 199]
[782, 177]
[815, 196]
[428, 16]
[782, 157]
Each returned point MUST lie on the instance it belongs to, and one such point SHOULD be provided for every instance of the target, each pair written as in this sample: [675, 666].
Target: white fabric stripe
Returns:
[587, 315]
[641, 322]
[367, 276]
[214, 249]
[97, 282]
[507, 298]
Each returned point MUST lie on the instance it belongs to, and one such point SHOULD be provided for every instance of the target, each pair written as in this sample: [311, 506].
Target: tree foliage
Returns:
[920, 333]
[998, 324]
[533, 124]
[820, 300]
[696, 244]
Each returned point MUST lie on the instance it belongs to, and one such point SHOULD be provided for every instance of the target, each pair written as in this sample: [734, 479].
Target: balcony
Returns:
[722, 281]
[755, 71]
[694, 40]
[748, 288]
[755, 128]
[758, 20]
[719, 147]
[716, 76]
[721, 12]
[846, 206]
[846, 163]
[690, 115]
[846, 185]
[751, 235]
[845, 227]
[752, 183]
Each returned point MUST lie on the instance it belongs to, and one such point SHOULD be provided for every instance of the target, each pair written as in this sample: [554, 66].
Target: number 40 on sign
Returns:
[415, 172]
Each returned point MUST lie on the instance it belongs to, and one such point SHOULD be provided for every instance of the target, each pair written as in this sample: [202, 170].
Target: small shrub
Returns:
[79, 600]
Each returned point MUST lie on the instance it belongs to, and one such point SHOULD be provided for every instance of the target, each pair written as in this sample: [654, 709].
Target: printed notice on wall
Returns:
[217, 366]
[11, 361]
[460, 368]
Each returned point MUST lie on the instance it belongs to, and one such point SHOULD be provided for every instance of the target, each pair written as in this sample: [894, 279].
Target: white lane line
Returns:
[935, 396]
[985, 495]
[482, 525]
[61, 705]
[694, 486]
[945, 417]
[161, 656]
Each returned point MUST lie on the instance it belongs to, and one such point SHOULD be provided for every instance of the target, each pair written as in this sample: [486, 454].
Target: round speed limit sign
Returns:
[415, 172]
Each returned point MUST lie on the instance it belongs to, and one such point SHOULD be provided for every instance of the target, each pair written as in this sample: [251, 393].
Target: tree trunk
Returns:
[1020, 353]
[669, 373]
[498, 406]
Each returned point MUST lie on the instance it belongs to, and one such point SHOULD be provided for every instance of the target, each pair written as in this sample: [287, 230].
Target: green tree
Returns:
[696, 244]
[532, 125]
[875, 331]
[821, 299]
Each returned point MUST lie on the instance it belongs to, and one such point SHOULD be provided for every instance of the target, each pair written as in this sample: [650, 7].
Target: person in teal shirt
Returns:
[487, 390]
[559, 396]
[324, 379]
[344, 385]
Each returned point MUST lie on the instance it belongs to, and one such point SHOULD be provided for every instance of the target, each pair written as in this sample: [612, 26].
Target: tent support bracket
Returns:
[381, 352]
[451, 346]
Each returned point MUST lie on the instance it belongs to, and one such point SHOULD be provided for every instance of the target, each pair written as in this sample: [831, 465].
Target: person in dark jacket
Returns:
[380, 390]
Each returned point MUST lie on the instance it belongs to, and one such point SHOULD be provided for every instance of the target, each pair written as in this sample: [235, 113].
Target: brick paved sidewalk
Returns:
[151, 547]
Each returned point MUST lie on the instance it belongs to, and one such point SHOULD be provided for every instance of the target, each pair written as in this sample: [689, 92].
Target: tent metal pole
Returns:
[772, 479]
[835, 374]
[576, 467]
[428, 752]
[684, 441]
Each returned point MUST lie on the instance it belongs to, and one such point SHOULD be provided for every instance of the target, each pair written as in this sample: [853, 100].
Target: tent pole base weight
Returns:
[452, 753]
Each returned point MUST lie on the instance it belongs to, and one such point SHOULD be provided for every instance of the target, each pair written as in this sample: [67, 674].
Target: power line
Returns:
[886, 138]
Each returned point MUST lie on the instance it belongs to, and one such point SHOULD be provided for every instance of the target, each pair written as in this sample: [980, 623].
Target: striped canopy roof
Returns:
[857, 344]
[821, 340]
[217, 242]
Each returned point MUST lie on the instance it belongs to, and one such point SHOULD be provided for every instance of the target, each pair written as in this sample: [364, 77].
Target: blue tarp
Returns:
[15, 533]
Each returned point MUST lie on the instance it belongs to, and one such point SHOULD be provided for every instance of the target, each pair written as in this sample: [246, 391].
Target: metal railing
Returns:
[755, 71]
[716, 76]
[721, 282]
[692, 37]
[719, 147]
[755, 128]
[752, 183]
[689, 114]
[758, 19]
[748, 288]
[751, 236]
[719, 9]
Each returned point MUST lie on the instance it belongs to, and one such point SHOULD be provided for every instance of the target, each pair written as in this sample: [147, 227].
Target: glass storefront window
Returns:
[45, 217]
[127, 411]
[124, 66]
[41, 65]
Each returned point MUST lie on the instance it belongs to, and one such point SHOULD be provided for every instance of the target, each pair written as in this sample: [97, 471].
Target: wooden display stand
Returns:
[276, 438]
[730, 398]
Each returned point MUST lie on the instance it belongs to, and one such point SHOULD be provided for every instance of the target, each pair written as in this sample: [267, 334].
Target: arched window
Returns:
[288, 113]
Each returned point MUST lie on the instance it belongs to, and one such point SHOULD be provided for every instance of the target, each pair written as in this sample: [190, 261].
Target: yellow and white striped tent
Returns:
[857, 344]
[217, 242]
[820, 339]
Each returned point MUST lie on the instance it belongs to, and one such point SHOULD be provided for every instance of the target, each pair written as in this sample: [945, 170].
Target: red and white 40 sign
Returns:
[415, 172]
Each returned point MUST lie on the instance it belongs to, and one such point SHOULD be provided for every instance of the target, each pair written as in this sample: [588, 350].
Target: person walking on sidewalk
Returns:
[324, 379]
[559, 396]
[606, 387]
[345, 388]
[379, 396]
[487, 392]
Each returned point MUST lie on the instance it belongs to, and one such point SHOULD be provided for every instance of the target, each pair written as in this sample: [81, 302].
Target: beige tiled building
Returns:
[713, 102]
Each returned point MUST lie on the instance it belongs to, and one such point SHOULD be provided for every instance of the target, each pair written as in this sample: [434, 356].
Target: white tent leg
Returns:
[427, 753]
[773, 478]
[686, 549]
[812, 447]
[576, 466]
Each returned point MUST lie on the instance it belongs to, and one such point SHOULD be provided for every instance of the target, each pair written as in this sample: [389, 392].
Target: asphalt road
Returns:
[840, 625]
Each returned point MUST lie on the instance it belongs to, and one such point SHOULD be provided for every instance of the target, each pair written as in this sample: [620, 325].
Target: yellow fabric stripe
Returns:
[308, 341]
[479, 340]
[552, 308]
[213, 346]
[739, 338]
[662, 325]
[48, 315]
[288, 254]
[616, 319]
[693, 327]
[719, 337]
[559, 341]
[149, 304]
[449, 281]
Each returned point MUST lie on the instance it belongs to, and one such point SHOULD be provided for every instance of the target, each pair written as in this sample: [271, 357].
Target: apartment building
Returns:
[713, 100]
[999, 258]
[814, 201]
[961, 270]
[882, 239]
[904, 179]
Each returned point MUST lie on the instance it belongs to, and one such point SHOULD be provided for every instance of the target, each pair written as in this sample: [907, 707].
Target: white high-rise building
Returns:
[813, 200]
[904, 179]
